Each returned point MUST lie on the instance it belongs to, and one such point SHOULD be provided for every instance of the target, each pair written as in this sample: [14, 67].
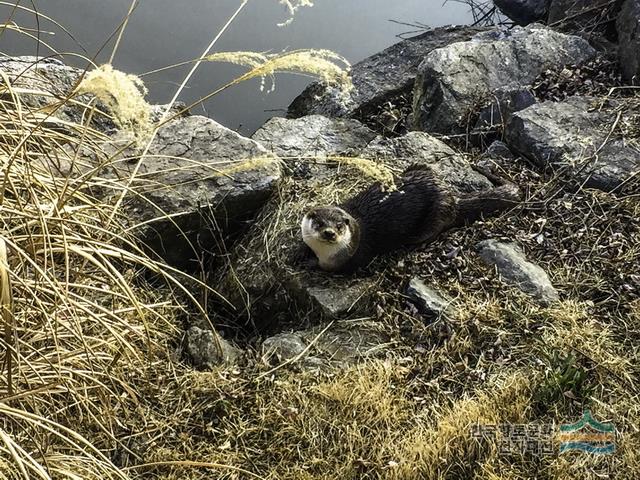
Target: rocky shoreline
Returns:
[447, 98]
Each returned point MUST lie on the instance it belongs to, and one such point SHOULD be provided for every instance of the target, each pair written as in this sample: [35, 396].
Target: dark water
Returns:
[165, 32]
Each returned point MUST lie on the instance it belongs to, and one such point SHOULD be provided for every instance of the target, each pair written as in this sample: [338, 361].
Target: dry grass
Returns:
[88, 347]
[587, 240]
[83, 333]
[124, 95]
[92, 386]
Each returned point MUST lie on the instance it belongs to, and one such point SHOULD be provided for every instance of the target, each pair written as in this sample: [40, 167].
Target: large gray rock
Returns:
[452, 81]
[206, 351]
[327, 295]
[574, 135]
[295, 140]
[337, 301]
[422, 148]
[628, 25]
[381, 78]
[523, 12]
[199, 182]
[313, 136]
[514, 268]
[43, 85]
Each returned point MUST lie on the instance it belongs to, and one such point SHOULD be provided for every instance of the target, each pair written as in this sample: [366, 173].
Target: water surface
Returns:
[166, 32]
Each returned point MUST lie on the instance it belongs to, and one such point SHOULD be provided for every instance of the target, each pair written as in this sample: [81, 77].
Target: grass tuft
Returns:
[124, 94]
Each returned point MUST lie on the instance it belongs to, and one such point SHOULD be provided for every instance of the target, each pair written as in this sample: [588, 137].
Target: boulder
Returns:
[421, 148]
[514, 269]
[523, 12]
[453, 81]
[200, 182]
[628, 26]
[299, 142]
[428, 300]
[206, 351]
[313, 136]
[573, 135]
[42, 83]
[384, 77]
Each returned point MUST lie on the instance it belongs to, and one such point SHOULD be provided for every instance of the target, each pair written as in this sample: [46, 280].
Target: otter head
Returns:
[329, 232]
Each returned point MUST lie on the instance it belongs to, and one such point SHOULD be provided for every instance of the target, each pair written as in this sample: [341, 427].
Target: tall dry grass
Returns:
[91, 385]
[86, 342]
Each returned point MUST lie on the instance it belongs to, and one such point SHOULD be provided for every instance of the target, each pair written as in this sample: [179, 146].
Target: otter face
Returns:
[327, 231]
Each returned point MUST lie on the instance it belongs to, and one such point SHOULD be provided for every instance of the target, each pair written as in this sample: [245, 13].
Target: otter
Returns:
[346, 237]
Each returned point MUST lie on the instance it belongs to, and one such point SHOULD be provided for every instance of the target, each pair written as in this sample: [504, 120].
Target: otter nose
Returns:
[328, 234]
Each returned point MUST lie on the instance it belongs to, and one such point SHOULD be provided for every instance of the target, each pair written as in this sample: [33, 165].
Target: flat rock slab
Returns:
[381, 78]
[514, 269]
[295, 140]
[628, 26]
[334, 297]
[336, 301]
[313, 136]
[323, 346]
[452, 81]
[301, 142]
[575, 135]
[423, 149]
[428, 300]
[199, 182]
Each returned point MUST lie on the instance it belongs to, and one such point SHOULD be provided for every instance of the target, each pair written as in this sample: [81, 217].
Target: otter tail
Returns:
[474, 206]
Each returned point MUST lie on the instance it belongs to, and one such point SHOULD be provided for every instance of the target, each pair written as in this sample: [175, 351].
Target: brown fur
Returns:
[417, 212]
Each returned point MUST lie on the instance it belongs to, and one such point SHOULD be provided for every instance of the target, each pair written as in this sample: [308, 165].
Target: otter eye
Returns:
[346, 221]
[318, 223]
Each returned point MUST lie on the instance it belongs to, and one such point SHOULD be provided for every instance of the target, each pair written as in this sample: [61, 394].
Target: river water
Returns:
[166, 32]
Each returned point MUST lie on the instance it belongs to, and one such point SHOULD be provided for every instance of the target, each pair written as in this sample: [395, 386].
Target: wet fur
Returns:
[417, 212]
[414, 213]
